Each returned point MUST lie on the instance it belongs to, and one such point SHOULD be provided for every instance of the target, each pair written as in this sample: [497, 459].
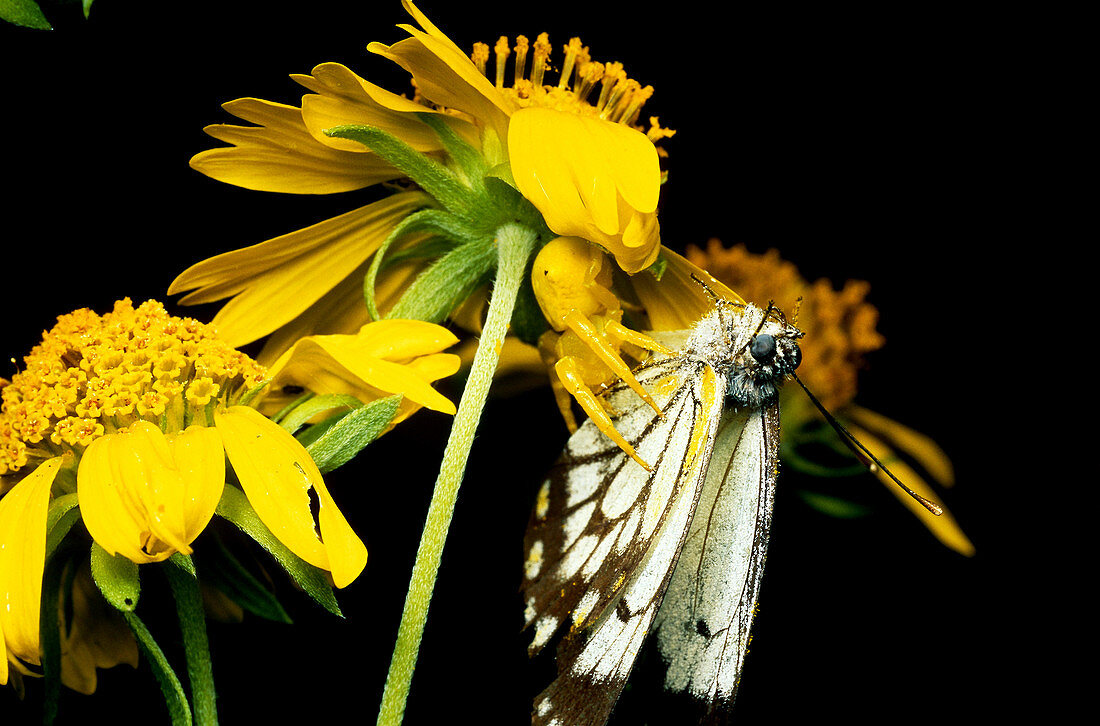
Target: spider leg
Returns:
[570, 377]
[561, 396]
[623, 333]
[599, 345]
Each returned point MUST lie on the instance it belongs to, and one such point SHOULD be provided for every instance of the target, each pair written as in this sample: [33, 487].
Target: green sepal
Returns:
[26, 13]
[220, 569]
[468, 160]
[178, 710]
[347, 437]
[433, 221]
[235, 507]
[439, 290]
[251, 393]
[298, 416]
[432, 176]
[116, 577]
[60, 518]
[182, 579]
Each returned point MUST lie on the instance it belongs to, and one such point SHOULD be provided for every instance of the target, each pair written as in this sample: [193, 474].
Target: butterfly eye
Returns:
[762, 348]
[795, 355]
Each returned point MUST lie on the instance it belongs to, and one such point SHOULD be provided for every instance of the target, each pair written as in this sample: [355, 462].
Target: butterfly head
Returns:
[765, 353]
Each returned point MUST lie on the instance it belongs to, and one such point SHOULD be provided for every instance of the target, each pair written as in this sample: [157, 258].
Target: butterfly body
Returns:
[618, 551]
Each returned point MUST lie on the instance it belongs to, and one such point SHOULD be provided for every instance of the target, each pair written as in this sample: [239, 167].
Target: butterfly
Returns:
[676, 551]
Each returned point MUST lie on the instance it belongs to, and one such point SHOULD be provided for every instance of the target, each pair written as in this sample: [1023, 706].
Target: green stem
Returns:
[515, 244]
[185, 590]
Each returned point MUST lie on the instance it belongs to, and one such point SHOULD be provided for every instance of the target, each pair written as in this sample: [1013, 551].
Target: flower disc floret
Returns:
[92, 375]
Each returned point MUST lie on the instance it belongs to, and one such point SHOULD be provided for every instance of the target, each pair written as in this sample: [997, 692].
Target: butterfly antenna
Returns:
[706, 288]
[863, 454]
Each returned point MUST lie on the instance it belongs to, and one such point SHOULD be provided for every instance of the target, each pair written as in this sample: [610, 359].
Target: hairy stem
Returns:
[515, 244]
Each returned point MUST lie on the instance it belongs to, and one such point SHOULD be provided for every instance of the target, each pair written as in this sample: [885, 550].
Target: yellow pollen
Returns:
[540, 60]
[572, 51]
[612, 74]
[480, 56]
[93, 374]
[587, 78]
[521, 58]
[502, 51]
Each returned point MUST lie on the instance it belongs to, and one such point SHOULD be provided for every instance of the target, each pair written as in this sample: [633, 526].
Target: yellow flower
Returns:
[840, 330]
[585, 165]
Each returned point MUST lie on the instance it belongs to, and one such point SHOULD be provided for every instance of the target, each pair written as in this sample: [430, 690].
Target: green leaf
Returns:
[235, 507]
[117, 578]
[178, 710]
[350, 434]
[25, 13]
[297, 417]
[222, 570]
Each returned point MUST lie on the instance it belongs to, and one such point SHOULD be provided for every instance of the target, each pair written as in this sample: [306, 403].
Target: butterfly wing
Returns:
[605, 535]
[704, 619]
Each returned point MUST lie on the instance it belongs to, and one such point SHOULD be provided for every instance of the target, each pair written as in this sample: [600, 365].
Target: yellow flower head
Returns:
[570, 144]
[142, 409]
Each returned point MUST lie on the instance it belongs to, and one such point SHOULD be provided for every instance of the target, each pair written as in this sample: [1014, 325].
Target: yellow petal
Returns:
[281, 155]
[341, 97]
[677, 301]
[341, 310]
[590, 178]
[22, 562]
[277, 473]
[944, 527]
[144, 495]
[274, 281]
[98, 636]
[374, 358]
[923, 449]
[445, 75]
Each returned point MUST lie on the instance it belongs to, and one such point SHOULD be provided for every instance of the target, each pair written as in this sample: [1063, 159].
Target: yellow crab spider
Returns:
[572, 280]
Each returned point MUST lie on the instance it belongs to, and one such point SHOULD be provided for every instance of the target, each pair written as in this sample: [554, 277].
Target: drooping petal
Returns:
[22, 562]
[341, 97]
[341, 309]
[374, 359]
[274, 281]
[144, 495]
[280, 154]
[677, 301]
[277, 474]
[589, 178]
[445, 75]
[96, 637]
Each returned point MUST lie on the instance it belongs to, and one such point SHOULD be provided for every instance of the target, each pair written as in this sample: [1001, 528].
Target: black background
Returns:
[853, 141]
